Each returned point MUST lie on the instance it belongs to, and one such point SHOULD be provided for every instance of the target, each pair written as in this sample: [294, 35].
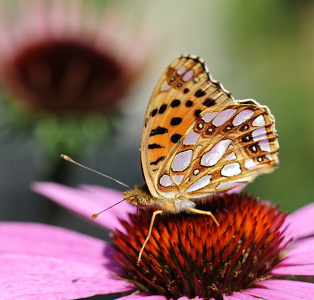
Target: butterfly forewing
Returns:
[197, 140]
[183, 91]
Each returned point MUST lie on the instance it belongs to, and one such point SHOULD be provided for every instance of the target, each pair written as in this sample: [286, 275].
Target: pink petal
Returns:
[236, 190]
[52, 286]
[155, 297]
[300, 222]
[194, 298]
[143, 296]
[282, 270]
[242, 296]
[225, 297]
[54, 263]
[301, 253]
[87, 200]
[41, 239]
[272, 295]
[295, 288]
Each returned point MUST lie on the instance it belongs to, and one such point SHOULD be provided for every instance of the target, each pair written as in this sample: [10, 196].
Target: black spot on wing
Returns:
[209, 102]
[200, 93]
[161, 158]
[158, 130]
[189, 103]
[175, 121]
[154, 146]
[175, 103]
[154, 112]
[175, 138]
[244, 127]
[197, 113]
[162, 109]
[185, 91]
[248, 102]
[247, 138]
[253, 148]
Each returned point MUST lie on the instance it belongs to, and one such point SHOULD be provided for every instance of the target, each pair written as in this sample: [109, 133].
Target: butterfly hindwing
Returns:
[223, 149]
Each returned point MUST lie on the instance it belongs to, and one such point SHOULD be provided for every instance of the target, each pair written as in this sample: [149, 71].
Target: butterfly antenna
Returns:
[94, 216]
[69, 159]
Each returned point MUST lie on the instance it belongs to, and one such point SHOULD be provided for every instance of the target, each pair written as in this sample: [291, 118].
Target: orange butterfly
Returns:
[198, 140]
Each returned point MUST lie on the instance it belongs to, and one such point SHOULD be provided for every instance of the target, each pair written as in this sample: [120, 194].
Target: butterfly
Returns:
[198, 141]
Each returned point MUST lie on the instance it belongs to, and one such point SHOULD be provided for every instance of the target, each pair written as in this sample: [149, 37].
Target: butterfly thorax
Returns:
[141, 196]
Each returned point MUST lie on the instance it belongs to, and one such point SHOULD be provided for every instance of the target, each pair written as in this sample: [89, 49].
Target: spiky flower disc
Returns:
[188, 255]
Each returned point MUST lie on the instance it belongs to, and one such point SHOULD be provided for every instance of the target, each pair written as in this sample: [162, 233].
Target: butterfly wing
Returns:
[224, 148]
[184, 90]
[197, 140]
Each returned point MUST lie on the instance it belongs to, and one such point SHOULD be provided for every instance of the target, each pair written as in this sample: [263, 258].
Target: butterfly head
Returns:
[139, 196]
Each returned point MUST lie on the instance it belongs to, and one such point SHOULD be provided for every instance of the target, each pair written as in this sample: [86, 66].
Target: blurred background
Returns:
[258, 49]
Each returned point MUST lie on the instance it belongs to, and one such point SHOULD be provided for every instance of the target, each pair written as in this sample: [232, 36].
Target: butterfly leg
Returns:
[155, 213]
[203, 212]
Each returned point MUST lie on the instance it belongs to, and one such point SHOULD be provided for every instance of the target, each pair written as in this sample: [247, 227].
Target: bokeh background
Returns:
[258, 49]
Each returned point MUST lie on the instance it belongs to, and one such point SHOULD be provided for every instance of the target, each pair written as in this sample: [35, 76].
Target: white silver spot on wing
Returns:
[209, 116]
[165, 180]
[223, 116]
[196, 171]
[200, 183]
[188, 75]
[210, 158]
[182, 160]
[178, 178]
[242, 116]
[230, 184]
[181, 70]
[259, 134]
[231, 169]
[191, 138]
[165, 87]
[259, 121]
[249, 164]
[264, 145]
[231, 156]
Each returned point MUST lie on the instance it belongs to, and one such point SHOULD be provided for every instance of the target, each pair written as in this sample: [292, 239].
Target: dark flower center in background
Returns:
[188, 255]
[57, 76]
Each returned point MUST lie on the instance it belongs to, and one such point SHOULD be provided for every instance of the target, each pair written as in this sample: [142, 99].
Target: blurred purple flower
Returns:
[40, 261]
[65, 69]
[68, 56]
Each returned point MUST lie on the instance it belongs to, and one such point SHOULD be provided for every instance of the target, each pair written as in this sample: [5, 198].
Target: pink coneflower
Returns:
[68, 56]
[256, 252]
